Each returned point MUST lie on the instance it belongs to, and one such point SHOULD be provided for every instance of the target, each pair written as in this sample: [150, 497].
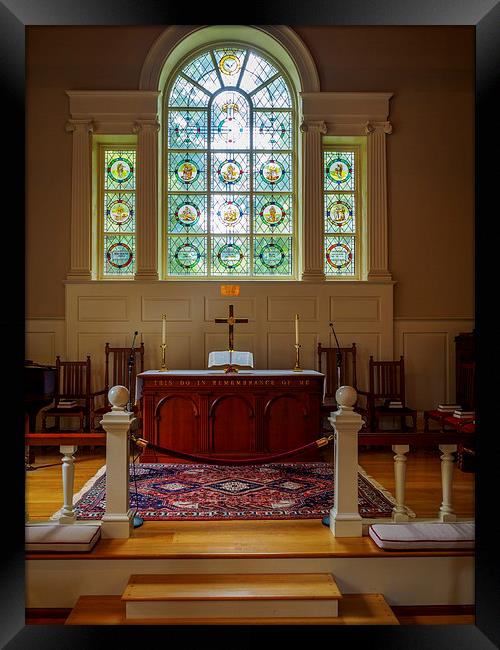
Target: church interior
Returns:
[305, 191]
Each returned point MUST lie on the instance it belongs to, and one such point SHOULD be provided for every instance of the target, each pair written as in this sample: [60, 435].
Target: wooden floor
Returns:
[264, 538]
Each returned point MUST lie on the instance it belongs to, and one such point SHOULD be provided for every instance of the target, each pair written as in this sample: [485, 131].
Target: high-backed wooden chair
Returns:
[72, 384]
[327, 364]
[116, 373]
[387, 384]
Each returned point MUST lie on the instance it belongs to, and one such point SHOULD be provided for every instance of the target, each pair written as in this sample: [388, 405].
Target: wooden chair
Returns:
[327, 363]
[72, 383]
[386, 384]
[465, 394]
[116, 373]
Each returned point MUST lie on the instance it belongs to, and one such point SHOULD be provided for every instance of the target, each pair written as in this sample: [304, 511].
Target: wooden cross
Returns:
[231, 320]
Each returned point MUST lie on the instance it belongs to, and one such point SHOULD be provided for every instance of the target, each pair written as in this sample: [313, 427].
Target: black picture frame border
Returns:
[15, 16]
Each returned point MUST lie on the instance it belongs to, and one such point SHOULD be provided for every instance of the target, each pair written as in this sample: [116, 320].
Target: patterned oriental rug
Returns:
[177, 492]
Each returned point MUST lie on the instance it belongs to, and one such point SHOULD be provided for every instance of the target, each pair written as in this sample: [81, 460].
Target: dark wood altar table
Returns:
[249, 414]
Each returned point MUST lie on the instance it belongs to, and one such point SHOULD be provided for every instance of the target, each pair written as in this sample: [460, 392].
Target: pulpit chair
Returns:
[386, 384]
[72, 383]
[327, 364]
[116, 373]
[465, 397]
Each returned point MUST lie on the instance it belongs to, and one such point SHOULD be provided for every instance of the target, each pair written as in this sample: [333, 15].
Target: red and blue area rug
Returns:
[177, 492]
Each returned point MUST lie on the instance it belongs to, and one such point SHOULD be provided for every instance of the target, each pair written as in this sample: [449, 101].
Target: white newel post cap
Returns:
[118, 397]
[346, 397]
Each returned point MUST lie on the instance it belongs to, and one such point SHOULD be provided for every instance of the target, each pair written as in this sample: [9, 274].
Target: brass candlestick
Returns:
[297, 358]
[163, 347]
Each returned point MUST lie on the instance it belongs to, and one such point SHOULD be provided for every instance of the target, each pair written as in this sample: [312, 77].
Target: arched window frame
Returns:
[138, 112]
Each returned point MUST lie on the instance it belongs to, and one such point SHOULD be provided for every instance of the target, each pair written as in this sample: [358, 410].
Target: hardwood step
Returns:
[231, 595]
[354, 609]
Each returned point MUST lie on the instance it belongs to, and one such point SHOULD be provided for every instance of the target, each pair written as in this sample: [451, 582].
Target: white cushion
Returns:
[61, 538]
[421, 536]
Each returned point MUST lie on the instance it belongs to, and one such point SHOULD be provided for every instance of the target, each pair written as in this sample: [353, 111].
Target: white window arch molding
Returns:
[94, 114]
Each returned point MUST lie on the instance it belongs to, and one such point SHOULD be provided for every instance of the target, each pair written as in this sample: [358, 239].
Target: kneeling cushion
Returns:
[61, 538]
[423, 536]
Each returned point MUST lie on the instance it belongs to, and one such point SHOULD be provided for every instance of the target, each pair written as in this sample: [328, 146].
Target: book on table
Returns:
[449, 408]
[67, 403]
[395, 404]
[464, 414]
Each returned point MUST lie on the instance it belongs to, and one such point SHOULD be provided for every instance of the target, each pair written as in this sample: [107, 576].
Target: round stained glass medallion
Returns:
[339, 170]
[272, 256]
[119, 255]
[229, 64]
[272, 213]
[120, 169]
[339, 213]
[187, 214]
[187, 171]
[230, 172]
[119, 212]
[230, 256]
[231, 129]
[271, 172]
[230, 213]
[187, 255]
[339, 256]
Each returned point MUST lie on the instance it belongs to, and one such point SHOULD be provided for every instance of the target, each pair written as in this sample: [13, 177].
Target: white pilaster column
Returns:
[147, 200]
[446, 512]
[117, 521]
[378, 257]
[81, 200]
[67, 515]
[312, 196]
[399, 512]
[345, 520]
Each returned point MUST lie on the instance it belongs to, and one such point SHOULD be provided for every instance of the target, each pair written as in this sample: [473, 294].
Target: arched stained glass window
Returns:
[229, 156]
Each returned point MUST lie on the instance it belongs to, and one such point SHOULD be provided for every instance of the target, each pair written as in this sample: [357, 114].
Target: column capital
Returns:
[146, 125]
[313, 126]
[79, 125]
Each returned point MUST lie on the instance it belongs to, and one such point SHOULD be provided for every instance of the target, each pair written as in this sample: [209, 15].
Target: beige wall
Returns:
[430, 153]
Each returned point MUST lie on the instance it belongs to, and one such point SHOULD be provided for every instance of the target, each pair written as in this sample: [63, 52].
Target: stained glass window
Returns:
[117, 214]
[229, 157]
[341, 184]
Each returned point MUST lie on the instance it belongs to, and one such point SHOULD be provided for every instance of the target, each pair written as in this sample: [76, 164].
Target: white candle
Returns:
[164, 329]
[296, 329]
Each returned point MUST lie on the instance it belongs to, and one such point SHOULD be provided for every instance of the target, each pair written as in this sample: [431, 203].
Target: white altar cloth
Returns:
[211, 373]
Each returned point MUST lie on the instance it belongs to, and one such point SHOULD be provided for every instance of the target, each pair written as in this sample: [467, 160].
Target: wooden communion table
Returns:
[248, 414]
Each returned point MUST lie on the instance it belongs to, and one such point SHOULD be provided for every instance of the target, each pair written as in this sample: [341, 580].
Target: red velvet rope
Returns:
[213, 460]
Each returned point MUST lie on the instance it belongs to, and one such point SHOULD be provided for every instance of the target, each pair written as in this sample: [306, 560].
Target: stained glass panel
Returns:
[230, 172]
[339, 170]
[229, 213]
[339, 255]
[273, 214]
[230, 121]
[187, 255]
[187, 129]
[272, 130]
[119, 255]
[272, 256]
[273, 95]
[188, 95]
[187, 213]
[272, 171]
[119, 212]
[257, 71]
[187, 172]
[230, 255]
[119, 170]
[339, 213]
[230, 61]
[202, 70]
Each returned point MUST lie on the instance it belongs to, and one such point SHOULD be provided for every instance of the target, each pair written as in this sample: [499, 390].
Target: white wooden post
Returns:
[446, 512]
[399, 512]
[345, 520]
[117, 521]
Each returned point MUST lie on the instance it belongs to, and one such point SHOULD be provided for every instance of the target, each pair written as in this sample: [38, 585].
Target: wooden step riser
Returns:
[231, 609]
